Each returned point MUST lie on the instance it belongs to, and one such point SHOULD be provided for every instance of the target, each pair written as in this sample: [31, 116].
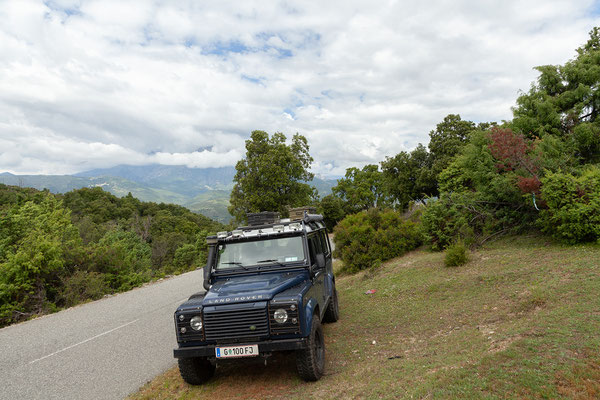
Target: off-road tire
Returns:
[332, 313]
[310, 362]
[195, 371]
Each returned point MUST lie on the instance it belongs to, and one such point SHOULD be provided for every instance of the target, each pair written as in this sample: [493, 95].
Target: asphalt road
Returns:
[101, 350]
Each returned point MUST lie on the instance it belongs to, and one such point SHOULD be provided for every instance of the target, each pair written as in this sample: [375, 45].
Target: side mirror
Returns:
[320, 261]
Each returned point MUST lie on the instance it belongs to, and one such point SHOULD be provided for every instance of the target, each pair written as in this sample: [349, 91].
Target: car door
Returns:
[318, 279]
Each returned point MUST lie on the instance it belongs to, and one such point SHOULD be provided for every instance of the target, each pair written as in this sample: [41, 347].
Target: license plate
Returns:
[237, 351]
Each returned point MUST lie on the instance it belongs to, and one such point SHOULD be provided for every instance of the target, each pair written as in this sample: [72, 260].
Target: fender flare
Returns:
[309, 309]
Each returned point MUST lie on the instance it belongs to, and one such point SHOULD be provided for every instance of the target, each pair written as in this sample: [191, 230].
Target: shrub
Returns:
[456, 254]
[372, 236]
[123, 258]
[82, 286]
[186, 257]
[573, 213]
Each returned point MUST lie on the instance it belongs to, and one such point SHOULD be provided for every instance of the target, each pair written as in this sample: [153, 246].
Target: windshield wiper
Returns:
[273, 261]
[236, 263]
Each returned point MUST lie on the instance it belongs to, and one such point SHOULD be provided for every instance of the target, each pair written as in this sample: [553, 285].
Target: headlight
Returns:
[280, 316]
[196, 323]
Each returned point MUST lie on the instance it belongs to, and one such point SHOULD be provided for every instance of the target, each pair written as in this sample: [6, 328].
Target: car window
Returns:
[262, 252]
[325, 242]
[314, 248]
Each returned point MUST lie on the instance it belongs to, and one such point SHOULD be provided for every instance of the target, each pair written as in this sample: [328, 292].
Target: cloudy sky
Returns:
[93, 84]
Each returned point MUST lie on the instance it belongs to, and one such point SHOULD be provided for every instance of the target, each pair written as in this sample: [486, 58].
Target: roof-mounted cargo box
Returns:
[297, 214]
[263, 218]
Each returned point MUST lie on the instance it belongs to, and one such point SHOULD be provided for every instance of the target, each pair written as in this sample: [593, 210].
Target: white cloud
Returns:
[87, 84]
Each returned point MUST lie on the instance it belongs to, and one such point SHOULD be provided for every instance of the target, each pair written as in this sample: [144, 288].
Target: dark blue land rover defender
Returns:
[268, 288]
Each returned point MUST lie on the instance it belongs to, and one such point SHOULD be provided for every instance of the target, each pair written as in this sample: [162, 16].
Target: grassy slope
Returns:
[520, 320]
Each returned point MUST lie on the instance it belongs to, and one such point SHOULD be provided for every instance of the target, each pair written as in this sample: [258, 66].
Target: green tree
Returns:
[446, 141]
[332, 208]
[361, 189]
[565, 102]
[409, 177]
[123, 258]
[272, 176]
[42, 235]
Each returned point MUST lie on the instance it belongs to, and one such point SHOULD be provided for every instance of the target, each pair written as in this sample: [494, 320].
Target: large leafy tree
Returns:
[409, 177]
[447, 140]
[565, 102]
[414, 176]
[361, 189]
[273, 175]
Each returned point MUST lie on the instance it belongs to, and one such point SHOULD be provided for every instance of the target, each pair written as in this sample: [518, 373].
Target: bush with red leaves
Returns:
[512, 151]
[529, 185]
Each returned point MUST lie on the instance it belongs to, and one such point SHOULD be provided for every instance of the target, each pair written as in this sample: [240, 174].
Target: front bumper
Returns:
[266, 346]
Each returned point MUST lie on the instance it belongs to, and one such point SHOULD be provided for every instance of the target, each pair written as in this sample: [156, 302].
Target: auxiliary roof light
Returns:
[222, 235]
[237, 233]
[277, 228]
[295, 226]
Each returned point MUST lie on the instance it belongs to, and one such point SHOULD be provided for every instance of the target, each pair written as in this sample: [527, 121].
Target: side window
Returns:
[321, 245]
[325, 242]
[312, 248]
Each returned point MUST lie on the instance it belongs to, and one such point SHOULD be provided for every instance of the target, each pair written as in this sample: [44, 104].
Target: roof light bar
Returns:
[277, 228]
[222, 235]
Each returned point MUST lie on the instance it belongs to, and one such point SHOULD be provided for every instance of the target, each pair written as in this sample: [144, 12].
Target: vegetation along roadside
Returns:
[60, 250]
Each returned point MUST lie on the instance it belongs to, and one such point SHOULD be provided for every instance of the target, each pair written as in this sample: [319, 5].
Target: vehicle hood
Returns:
[260, 287]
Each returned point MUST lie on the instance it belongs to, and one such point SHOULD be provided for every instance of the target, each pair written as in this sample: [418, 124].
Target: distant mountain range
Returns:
[203, 190]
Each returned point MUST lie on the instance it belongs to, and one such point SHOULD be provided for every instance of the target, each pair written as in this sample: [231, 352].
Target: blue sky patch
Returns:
[290, 112]
[224, 48]
[257, 80]
[69, 11]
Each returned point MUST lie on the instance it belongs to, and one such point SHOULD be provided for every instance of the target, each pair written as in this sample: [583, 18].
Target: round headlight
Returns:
[196, 323]
[280, 316]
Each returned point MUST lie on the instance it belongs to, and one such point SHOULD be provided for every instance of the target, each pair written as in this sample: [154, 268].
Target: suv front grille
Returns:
[234, 324]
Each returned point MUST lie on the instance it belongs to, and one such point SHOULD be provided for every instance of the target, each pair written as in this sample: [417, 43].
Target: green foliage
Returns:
[186, 256]
[361, 189]
[565, 102]
[123, 258]
[82, 286]
[447, 140]
[33, 254]
[272, 176]
[409, 176]
[482, 194]
[456, 255]
[52, 255]
[414, 176]
[332, 209]
[445, 219]
[363, 239]
[573, 202]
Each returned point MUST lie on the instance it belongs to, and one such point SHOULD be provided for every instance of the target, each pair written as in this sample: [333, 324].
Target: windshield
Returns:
[263, 252]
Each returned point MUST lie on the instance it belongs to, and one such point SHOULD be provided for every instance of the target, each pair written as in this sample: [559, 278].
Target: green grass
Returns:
[520, 320]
